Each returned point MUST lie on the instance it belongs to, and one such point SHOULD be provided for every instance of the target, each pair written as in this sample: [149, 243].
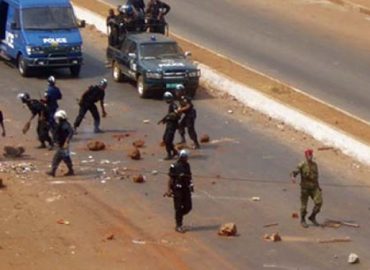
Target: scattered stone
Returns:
[270, 225]
[324, 148]
[13, 152]
[353, 258]
[138, 179]
[335, 240]
[110, 237]
[228, 229]
[256, 199]
[154, 172]
[230, 111]
[275, 237]
[295, 215]
[146, 121]
[135, 154]
[105, 161]
[63, 222]
[95, 146]
[138, 143]
[204, 138]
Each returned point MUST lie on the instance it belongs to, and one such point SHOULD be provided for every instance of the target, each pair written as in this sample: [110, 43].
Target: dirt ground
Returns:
[314, 17]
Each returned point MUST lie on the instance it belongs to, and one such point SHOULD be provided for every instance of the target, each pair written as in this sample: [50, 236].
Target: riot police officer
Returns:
[139, 7]
[63, 136]
[156, 10]
[39, 109]
[180, 186]
[2, 124]
[189, 116]
[52, 95]
[112, 28]
[87, 102]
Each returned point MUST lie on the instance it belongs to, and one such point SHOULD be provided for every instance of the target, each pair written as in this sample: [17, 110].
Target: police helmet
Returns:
[126, 9]
[167, 96]
[103, 83]
[51, 80]
[61, 114]
[180, 87]
[183, 154]
[23, 96]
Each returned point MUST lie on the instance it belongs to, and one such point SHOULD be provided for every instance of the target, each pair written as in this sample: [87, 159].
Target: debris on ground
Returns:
[256, 199]
[275, 237]
[63, 222]
[95, 146]
[162, 144]
[353, 258]
[230, 111]
[228, 229]
[154, 172]
[2, 184]
[120, 137]
[337, 223]
[138, 242]
[181, 146]
[335, 240]
[324, 148]
[110, 237]
[135, 154]
[138, 143]
[17, 168]
[295, 215]
[138, 179]
[13, 152]
[204, 138]
[104, 161]
[146, 121]
[270, 225]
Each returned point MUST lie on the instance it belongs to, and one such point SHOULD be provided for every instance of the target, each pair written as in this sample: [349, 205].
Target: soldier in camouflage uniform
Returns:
[309, 187]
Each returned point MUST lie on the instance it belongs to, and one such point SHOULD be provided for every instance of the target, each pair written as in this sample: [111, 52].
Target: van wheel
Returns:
[23, 68]
[142, 88]
[117, 73]
[75, 70]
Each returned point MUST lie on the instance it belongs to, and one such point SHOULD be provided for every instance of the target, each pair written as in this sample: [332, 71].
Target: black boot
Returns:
[51, 173]
[303, 221]
[312, 218]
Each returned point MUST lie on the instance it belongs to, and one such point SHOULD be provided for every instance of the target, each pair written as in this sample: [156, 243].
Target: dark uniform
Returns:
[87, 103]
[2, 123]
[43, 127]
[52, 96]
[156, 11]
[188, 120]
[63, 135]
[139, 7]
[310, 188]
[181, 187]
[112, 26]
[171, 120]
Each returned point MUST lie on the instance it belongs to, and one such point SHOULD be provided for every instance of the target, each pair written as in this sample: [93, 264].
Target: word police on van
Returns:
[40, 34]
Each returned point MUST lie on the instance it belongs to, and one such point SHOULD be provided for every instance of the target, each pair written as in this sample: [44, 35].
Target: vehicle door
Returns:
[13, 36]
[130, 58]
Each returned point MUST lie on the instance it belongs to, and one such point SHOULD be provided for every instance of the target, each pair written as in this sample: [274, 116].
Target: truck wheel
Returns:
[75, 70]
[23, 69]
[142, 88]
[117, 73]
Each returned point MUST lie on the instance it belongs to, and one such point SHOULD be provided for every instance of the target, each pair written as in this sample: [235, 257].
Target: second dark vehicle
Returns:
[155, 62]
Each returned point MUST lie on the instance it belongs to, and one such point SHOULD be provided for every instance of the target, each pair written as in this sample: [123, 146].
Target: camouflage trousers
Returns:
[316, 195]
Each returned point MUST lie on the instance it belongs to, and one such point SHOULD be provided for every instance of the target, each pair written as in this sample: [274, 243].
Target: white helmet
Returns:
[180, 87]
[51, 80]
[167, 96]
[23, 96]
[60, 115]
[103, 82]
[184, 154]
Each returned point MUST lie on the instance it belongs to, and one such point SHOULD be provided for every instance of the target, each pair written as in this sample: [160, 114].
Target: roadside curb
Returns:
[266, 105]
[353, 6]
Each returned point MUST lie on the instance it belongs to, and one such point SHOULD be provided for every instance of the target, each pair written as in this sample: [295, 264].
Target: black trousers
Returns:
[83, 110]
[168, 138]
[182, 203]
[188, 123]
[59, 156]
[43, 129]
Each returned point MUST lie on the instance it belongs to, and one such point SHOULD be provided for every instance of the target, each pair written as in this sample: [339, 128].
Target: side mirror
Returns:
[132, 55]
[82, 24]
[14, 26]
[187, 54]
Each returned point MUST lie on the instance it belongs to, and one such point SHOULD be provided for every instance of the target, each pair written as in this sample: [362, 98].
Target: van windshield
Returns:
[48, 18]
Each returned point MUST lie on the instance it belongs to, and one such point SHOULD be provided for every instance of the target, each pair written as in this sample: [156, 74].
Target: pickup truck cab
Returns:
[40, 34]
[155, 62]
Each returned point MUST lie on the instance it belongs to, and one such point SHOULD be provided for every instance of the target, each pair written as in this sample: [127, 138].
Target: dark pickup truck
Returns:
[155, 62]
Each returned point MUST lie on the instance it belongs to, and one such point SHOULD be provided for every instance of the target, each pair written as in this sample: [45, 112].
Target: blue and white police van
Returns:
[40, 34]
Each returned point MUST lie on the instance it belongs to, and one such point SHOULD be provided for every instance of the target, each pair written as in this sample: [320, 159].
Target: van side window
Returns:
[16, 19]
[132, 48]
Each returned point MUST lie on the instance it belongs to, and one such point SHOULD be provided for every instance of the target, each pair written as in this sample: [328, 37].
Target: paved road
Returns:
[274, 45]
[254, 152]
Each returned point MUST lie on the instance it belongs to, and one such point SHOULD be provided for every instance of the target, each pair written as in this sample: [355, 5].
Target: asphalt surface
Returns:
[251, 159]
[278, 47]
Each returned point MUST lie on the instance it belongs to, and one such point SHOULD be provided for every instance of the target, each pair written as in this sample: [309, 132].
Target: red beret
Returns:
[308, 152]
